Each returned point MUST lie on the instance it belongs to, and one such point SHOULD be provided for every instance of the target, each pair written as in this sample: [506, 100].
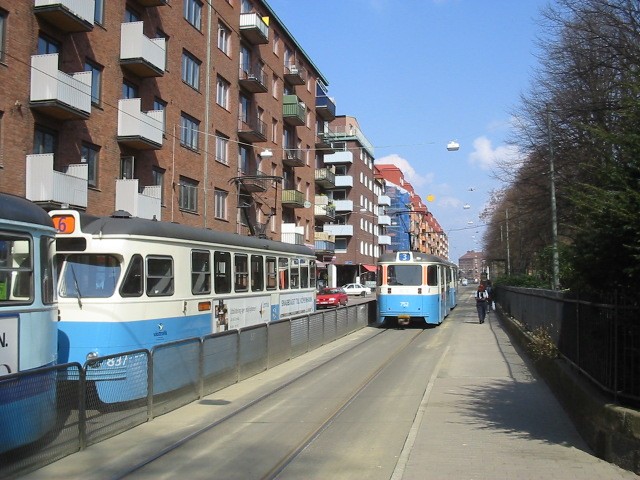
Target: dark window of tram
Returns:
[404, 275]
[132, 283]
[241, 272]
[159, 276]
[271, 273]
[295, 273]
[304, 274]
[222, 272]
[312, 274]
[283, 273]
[200, 272]
[432, 275]
[257, 273]
[46, 264]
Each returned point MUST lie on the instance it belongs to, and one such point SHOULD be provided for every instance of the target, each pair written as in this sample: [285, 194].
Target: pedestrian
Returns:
[481, 302]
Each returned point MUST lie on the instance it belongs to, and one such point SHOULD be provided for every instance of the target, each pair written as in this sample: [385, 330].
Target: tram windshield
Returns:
[89, 276]
[404, 275]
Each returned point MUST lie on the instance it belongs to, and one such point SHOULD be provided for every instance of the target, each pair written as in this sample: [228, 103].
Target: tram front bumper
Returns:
[404, 319]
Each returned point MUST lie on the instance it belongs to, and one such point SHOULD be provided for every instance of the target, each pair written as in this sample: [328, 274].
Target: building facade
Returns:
[471, 265]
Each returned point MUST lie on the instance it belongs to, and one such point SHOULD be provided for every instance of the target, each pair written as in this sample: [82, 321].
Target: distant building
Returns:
[471, 265]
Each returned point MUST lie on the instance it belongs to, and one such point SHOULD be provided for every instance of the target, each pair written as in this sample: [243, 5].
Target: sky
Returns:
[417, 74]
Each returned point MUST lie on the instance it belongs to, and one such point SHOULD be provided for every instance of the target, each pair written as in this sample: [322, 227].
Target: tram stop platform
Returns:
[523, 433]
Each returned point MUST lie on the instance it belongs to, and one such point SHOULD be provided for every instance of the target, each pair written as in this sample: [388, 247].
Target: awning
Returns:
[369, 268]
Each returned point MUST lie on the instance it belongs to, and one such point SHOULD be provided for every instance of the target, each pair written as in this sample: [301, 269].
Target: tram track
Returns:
[280, 463]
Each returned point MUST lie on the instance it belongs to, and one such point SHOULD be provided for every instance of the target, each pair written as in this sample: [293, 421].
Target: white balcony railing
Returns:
[134, 44]
[338, 230]
[338, 157]
[84, 9]
[344, 180]
[292, 234]
[49, 84]
[343, 205]
[384, 220]
[384, 200]
[44, 184]
[143, 205]
[384, 240]
[133, 122]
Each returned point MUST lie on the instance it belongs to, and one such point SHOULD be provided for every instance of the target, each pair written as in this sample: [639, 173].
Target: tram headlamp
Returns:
[91, 356]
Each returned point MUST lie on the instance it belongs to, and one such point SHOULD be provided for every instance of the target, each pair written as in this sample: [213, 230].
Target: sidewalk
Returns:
[485, 415]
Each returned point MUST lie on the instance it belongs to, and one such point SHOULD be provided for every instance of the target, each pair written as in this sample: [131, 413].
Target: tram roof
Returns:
[423, 257]
[127, 225]
[19, 209]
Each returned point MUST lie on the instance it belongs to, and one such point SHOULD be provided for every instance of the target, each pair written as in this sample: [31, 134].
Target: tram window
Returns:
[200, 272]
[222, 272]
[304, 274]
[432, 275]
[46, 265]
[312, 274]
[295, 273]
[89, 276]
[257, 273]
[283, 273]
[159, 276]
[16, 269]
[404, 275]
[132, 283]
[241, 272]
[271, 273]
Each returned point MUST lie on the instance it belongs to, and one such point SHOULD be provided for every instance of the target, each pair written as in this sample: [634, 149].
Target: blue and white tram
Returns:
[414, 286]
[28, 322]
[128, 283]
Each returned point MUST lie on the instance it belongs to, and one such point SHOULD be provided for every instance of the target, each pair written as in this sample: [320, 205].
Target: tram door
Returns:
[442, 286]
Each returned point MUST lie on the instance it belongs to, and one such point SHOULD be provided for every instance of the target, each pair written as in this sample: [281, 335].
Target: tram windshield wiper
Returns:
[75, 283]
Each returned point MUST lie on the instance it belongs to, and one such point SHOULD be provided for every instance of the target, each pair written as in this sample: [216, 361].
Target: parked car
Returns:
[356, 289]
[331, 297]
[465, 282]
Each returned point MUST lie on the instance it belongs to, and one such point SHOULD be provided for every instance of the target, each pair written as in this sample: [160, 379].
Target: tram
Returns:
[128, 283]
[415, 287]
[28, 323]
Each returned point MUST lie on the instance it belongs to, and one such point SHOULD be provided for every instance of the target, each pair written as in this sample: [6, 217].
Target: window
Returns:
[131, 16]
[257, 273]
[304, 273]
[44, 140]
[98, 13]
[271, 273]
[295, 273]
[190, 70]
[89, 155]
[283, 273]
[129, 90]
[220, 204]
[159, 276]
[161, 105]
[222, 93]
[222, 272]
[46, 45]
[193, 12]
[189, 131]
[244, 155]
[132, 283]
[244, 107]
[432, 275]
[89, 276]
[312, 273]
[157, 179]
[200, 272]
[241, 283]
[3, 36]
[224, 37]
[245, 59]
[188, 195]
[341, 244]
[222, 148]
[96, 81]
[404, 275]
[127, 165]
[16, 268]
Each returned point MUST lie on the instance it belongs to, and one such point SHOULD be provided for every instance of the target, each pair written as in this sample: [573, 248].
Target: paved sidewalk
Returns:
[486, 416]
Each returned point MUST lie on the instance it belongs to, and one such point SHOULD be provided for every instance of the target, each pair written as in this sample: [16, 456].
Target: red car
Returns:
[331, 297]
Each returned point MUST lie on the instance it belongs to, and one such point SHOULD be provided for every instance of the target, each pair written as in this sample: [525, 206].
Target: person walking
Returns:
[481, 302]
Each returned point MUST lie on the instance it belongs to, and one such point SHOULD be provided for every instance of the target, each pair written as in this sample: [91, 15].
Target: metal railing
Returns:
[155, 382]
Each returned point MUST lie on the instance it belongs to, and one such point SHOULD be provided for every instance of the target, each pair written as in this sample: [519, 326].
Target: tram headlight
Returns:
[91, 356]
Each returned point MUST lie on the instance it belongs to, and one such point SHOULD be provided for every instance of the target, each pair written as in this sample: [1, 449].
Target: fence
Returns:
[112, 394]
[601, 339]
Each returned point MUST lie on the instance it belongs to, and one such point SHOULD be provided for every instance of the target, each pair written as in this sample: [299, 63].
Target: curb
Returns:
[612, 431]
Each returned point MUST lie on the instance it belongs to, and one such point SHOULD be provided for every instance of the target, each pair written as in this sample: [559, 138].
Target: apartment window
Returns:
[245, 108]
[245, 59]
[89, 155]
[245, 6]
[224, 39]
[220, 204]
[276, 44]
[157, 179]
[96, 81]
[47, 45]
[222, 148]
[222, 93]
[188, 195]
[243, 160]
[131, 16]
[190, 70]
[98, 12]
[3, 36]
[127, 166]
[44, 140]
[129, 90]
[189, 131]
[161, 105]
[193, 12]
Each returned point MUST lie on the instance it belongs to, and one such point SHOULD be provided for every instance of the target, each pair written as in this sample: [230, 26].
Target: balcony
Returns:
[293, 111]
[324, 142]
[384, 240]
[141, 204]
[252, 129]
[295, 75]
[339, 157]
[344, 181]
[343, 205]
[153, 3]
[325, 107]
[253, 80]
[292, 198]
[338, 230]
[384, 220]
[58, 94]
[47, 186]
[142, 56]
[254, 182]
[293, 157]
[138, 129]
[324, 243]
[292, 234]
[254, 28]
[70, 16]
[326, 213]
[325, 178]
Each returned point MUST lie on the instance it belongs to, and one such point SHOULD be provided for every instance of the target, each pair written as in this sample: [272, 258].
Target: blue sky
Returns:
[419, 73]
